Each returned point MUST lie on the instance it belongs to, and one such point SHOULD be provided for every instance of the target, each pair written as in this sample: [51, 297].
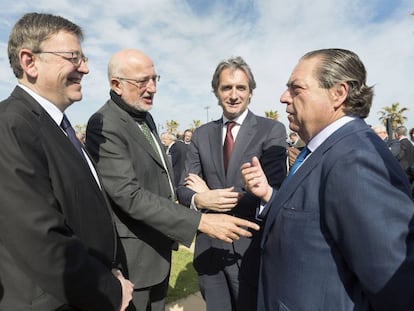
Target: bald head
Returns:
[128, 61]
[132, 76]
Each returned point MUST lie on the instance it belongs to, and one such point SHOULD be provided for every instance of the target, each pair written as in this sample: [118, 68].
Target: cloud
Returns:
[187, 39]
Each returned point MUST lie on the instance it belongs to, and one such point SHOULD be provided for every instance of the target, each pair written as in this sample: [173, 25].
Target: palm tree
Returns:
[195, 124]
[274, 115]
[394, 114]
[172, 126]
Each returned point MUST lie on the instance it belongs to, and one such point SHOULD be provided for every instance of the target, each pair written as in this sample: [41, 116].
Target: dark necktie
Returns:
[147, 133]
[67, 127]
[228, 144]
[299, 160]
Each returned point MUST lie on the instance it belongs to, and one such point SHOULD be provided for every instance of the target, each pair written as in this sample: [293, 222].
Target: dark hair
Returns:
[31, 30]
[338, 65]
[234, 64]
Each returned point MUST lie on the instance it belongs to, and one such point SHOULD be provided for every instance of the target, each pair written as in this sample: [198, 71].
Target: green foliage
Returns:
[274, 115]
[183, 278]
[394, 113]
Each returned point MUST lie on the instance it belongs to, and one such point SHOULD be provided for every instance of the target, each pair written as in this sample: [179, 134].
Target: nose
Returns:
[285, 98]
[233, 94]
[152, 86]
[83, 67]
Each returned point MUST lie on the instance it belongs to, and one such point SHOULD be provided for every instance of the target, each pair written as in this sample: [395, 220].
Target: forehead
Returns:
[140, 65]
[305, 71]
[62, 39]
[228, 75]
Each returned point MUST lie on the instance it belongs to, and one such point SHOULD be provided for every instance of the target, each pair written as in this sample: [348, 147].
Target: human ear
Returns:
[27, 62]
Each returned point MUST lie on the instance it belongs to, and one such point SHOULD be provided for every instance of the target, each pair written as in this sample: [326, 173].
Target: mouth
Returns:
[75, 80]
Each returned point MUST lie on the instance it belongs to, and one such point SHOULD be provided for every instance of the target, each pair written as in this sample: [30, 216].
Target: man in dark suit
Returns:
[339, 232]
[57, 239]
[176, 151]
[393, 144]
[406, 154]
[136, 174]
[228, 273]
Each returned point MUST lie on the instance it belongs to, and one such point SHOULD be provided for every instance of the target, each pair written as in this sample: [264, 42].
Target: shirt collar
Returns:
[50, 108]
[316, 141]
[239, 120]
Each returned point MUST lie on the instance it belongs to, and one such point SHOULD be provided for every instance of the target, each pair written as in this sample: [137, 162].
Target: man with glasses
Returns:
[138, 177]
[58, 244]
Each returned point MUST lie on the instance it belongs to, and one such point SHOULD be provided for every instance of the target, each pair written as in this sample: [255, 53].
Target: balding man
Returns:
[136, 174]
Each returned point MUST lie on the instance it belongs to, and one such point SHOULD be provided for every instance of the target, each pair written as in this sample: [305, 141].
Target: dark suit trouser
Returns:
[220, 290]
[150, 298]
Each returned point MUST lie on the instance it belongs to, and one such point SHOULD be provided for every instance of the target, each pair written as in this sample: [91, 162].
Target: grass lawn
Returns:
[183, 279]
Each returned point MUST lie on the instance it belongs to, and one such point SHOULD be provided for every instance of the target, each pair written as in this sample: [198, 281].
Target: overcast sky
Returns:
[187, 39]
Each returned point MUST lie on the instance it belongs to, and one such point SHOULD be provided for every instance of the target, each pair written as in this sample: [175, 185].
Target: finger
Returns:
[245, 223]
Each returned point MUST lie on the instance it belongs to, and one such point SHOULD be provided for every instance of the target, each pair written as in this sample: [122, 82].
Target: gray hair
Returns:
[234, 64]
[31, 31]
[401, 130]
[338, 65]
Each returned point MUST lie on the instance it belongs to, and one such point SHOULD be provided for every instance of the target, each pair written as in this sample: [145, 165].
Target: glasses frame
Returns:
[141, 83]
[76, 57]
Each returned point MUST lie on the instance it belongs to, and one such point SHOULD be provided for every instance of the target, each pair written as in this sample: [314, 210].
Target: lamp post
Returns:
[207, 108]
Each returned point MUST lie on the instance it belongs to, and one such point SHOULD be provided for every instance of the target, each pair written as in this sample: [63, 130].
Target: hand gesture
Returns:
[255, 180]
[225, 227]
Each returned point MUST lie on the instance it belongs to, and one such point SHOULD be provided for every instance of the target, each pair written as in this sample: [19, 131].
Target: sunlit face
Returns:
[233, 92]
[58, 79]
[136, 94]
[309, 107]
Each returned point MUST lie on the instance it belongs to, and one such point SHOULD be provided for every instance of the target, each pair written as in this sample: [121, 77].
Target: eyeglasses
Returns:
[76, 58]
[141, 83]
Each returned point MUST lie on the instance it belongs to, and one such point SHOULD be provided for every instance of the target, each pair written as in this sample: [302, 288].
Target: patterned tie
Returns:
[228, 144]
[147, 133]
[67, 127]
[299, 159]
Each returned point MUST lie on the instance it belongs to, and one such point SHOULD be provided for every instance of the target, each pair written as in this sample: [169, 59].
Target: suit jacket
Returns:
[339, 235]
[137, 183]
[178, 153]
[57, 239]
[257, 136]
[406, 154]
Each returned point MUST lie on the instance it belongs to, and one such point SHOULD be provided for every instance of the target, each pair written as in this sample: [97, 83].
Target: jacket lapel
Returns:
[288, 189]
[216, 148]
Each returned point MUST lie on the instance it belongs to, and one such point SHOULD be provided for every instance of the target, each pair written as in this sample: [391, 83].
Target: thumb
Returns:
[256, 162]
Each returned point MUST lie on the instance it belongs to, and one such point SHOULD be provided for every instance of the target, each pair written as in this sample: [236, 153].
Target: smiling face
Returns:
[57, 78]
[310, 107]
[233, 92]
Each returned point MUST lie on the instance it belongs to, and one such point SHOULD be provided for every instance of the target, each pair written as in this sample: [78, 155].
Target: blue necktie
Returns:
[299, 159]
[67, 127]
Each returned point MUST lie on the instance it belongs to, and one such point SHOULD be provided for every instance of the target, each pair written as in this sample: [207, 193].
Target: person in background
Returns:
[412, 135]
[122, 138]
[188, 134]
[295, 145]
[338, 233]
[58, 244]
[393, 144]
[228, 272]
[176, 151]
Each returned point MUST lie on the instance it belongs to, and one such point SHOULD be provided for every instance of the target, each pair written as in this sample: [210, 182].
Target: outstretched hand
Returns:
[225, 227]
[255, 180]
